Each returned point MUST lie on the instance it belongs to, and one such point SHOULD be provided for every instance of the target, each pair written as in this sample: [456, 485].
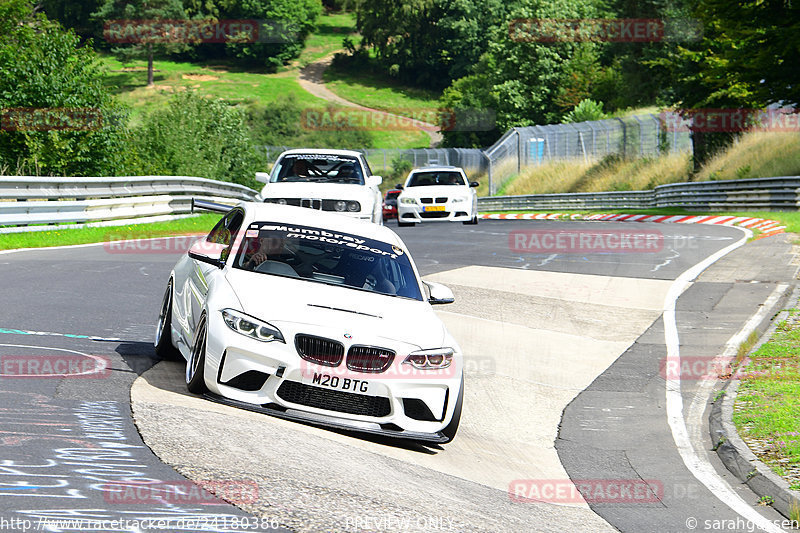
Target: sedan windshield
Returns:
[421, 179]
[318, 168]
[322, 256]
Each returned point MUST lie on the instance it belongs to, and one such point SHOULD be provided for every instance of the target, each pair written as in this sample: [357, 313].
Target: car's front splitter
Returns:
[323, 421]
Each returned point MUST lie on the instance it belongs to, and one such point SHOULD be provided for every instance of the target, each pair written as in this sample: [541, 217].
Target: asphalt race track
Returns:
[566, 385]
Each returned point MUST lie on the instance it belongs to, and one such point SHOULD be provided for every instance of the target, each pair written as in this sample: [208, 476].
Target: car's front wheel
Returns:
[195, 379]
[163, 341]
[471, 222]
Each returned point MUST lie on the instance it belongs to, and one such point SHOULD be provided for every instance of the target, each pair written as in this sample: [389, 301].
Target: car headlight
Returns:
[408, 200]
[251, 327]
[430, 359]
[281, 201]
[340, 205]
[353, 207]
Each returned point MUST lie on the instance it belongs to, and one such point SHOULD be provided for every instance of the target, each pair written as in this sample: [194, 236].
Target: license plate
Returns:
[434, 208]
[340, 383]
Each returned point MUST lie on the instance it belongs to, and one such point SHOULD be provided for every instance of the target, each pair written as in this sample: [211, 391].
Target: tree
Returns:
[428, 43]
[285, 26]
[521, 78]
[139, 22]
[743, 61]
[57, 117]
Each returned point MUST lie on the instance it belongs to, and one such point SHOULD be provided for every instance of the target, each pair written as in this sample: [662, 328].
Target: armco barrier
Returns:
[32, 201]
[781, 193]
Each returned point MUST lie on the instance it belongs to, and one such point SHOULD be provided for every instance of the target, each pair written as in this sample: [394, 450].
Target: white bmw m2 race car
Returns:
[317, 317]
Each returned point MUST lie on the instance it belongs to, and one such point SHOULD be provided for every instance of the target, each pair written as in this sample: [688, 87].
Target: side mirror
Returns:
[399, 186]
[439, 294]
[208, 252]
[474, 184]
[374, 181]
[262, 177]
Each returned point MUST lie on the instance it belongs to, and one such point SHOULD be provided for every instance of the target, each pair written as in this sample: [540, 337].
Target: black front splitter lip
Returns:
[321, 421]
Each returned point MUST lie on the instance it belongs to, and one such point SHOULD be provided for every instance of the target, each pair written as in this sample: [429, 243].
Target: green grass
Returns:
[331, 30]
[218, 80]
[376, 91]
[765, 412]
[66, 236]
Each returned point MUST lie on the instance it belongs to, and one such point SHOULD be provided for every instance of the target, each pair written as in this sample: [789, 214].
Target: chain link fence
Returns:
[634, 136]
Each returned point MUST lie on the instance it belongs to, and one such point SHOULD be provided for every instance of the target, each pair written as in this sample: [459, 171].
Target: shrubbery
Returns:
[58, 117]
[195, 136]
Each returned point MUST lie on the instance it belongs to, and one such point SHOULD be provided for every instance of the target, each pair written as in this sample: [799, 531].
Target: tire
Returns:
[450, 430]
[195, 379]
[472, 222]
[163, 341]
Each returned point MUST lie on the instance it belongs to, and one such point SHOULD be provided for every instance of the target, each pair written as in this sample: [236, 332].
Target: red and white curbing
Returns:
[765, 226]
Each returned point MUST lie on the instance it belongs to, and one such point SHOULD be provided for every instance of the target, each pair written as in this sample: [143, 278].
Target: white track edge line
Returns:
[701, 469]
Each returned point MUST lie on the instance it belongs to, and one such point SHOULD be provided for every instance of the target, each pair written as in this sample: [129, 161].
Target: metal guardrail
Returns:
[781, 193]
[30, 201]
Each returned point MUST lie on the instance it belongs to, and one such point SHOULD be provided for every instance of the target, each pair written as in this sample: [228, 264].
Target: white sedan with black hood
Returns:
[316, 317]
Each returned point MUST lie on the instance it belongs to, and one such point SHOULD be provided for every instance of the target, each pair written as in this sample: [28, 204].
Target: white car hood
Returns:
[365, 315]
[432, 191]
[332, 191]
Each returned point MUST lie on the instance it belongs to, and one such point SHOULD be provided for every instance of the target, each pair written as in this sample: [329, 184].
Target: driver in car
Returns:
[300, 168]
[268, 248]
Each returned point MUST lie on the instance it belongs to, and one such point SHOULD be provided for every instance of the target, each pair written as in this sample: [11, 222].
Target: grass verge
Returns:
[66, 236]
[766, 407]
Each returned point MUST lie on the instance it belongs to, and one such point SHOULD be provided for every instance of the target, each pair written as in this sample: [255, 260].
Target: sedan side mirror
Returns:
[399, 186]
[439, 294]
[208, 252]
[262, 177]
[474, 184]
[374, 181]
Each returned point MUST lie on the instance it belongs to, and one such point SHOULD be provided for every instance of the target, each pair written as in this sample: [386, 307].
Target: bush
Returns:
[285, 123]
[195, 136]
[60, 118]
[584, 111]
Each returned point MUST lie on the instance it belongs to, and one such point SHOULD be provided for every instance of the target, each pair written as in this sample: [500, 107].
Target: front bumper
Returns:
[449, 212]
[331, 422]
[273, 378]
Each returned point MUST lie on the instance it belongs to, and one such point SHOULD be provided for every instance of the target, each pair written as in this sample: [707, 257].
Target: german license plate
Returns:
[434, 208]
[340, 383]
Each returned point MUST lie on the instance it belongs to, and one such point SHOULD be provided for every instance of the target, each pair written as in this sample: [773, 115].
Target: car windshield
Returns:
[318, 168]
[330, 257]
[449, 177]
